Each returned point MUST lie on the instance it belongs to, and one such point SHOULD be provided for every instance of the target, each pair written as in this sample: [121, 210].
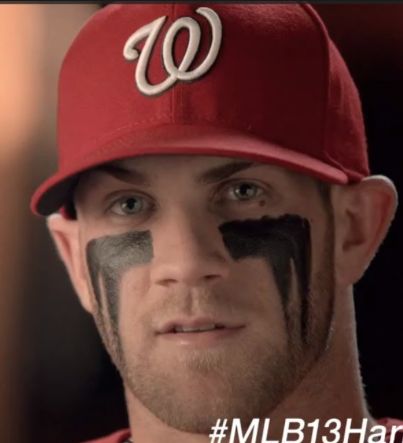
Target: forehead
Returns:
[201, 169]
[171, 163]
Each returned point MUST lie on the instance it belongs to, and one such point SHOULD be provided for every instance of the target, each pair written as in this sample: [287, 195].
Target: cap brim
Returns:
[179, 139]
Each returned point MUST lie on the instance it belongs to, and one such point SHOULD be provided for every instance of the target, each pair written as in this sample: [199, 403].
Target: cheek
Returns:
[134, 299]
[322, 247]
[285, 244]
[253, 290]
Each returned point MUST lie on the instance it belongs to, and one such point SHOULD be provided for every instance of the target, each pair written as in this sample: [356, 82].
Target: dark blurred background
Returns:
[56, 382]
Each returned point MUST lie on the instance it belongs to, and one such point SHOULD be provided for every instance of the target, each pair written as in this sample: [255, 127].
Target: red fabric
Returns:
[116, 437]
[277, 91]
[389, 422]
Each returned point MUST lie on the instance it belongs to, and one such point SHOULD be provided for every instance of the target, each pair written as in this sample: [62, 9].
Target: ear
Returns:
[363, 213]
[65, 234]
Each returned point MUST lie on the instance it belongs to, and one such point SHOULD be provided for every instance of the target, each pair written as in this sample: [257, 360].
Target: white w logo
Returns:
[151, 31]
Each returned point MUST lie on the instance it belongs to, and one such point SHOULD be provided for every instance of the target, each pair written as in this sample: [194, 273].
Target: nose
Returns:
[188, 250]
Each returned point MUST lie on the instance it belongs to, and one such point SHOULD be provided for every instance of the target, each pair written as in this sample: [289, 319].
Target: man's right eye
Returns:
[130, 205]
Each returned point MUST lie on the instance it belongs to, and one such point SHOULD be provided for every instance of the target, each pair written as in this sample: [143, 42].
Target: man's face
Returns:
[212, 281]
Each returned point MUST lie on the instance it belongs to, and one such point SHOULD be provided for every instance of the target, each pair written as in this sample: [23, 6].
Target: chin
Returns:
[191, 394]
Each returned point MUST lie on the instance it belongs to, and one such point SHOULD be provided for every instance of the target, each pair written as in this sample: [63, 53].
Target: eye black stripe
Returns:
[278, 240]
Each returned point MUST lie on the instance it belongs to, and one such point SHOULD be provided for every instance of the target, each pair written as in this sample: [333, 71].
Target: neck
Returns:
[332, 389]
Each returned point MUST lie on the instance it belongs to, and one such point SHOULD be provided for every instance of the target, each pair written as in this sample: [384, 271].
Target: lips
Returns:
[208, 327]
[195, 325]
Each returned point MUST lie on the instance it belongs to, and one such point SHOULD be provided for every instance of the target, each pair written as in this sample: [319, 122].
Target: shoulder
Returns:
[116, 437]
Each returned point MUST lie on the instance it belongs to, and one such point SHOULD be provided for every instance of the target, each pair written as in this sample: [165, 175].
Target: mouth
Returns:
[187, 329]
[198, 331]
[194, 325]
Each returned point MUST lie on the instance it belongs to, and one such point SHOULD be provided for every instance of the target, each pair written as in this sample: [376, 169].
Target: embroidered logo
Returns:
[151, 31]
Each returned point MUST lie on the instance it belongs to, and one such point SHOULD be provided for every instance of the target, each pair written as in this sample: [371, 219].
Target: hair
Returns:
[69, 209]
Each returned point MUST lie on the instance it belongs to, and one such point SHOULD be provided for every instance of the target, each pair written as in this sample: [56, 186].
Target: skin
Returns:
[282, 242]
[261, 251]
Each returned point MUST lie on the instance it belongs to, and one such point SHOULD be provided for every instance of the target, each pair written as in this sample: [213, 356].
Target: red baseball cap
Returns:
[262, 81]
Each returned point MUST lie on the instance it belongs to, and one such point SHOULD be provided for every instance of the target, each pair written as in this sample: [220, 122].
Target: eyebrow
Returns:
[210, 176]
[131, 176]
[222, 172]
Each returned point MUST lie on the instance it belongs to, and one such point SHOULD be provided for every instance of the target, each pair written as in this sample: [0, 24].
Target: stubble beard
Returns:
[210, 384]
[204, 386]
[213, 384]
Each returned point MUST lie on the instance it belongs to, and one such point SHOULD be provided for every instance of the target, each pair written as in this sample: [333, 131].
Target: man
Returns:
[215, 209]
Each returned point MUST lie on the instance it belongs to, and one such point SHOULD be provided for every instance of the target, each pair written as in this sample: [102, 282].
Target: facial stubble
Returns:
[254, 388]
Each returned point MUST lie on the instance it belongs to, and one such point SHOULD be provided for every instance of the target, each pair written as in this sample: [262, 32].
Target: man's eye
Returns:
[128, 205]
[244, 191]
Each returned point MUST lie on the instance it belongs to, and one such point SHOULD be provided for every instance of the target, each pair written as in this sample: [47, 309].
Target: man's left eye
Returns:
[244, 191]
